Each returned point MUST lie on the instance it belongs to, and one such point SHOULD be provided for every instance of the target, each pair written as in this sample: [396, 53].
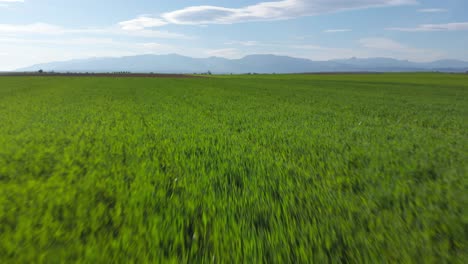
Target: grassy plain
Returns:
[232, 169]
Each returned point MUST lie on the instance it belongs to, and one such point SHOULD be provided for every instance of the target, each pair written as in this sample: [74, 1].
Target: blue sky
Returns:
[35, 31]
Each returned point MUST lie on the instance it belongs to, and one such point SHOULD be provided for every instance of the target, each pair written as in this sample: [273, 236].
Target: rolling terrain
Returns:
[174, 63]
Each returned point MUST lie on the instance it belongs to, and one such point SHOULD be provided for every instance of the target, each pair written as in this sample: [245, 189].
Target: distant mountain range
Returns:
[174, 63]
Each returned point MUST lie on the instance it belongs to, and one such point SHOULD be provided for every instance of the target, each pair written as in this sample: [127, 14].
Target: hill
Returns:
[261, 63]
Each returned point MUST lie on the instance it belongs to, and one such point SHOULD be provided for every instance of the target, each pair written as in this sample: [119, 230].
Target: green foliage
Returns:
[234, 169]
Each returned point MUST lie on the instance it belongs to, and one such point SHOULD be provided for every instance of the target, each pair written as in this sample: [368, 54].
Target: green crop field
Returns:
[234, 169]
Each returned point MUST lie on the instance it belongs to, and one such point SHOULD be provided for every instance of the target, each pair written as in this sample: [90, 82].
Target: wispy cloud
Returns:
[22, 52]
[147, 33]
[5, 3]
[130, 47]
[331, 50]
[59, 41]
[433, 27]
[399, 50]
[432, 10]
[229, 53]
[337, 30]
[384, 44]
[264, 11]
[35, 28]
[323, 52]
[49, 29]
[141, 23]
[247, 43]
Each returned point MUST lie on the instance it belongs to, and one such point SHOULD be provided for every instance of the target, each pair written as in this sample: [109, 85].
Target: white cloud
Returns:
[23, 52]
[337, 30]
[383, 44]
[150, 34]
[59, 41]
[229, 53]
[28, 44]
[152, 45]
[317, 47]
[36, 28]
[141, 23]
[318, 52]
[434, 27]
[244, 43]
[156, 48]
[130, 47]
[398, 50]
[289, 48]
[48, 29]
[432, 10]
[264, 11]
[5, 3]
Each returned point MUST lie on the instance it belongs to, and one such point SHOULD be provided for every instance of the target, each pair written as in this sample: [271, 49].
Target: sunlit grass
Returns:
[274, 169]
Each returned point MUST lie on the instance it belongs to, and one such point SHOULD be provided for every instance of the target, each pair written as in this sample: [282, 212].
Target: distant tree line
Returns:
[128, 73]
[69, 72]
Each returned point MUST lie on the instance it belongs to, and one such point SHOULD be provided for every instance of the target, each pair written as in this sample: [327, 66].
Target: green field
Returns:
[234, 169]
